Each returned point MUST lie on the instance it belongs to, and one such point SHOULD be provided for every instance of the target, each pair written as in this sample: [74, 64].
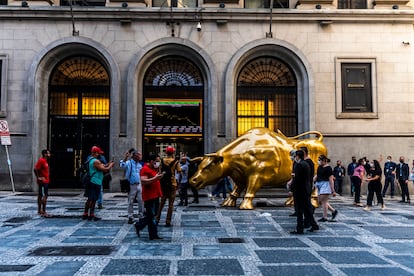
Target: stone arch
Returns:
[140, 64]
[39, 73]
[285, 52]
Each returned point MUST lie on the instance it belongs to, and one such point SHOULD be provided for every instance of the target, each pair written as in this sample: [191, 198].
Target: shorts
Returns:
[324, 188]
[43, 189]
[93, 192]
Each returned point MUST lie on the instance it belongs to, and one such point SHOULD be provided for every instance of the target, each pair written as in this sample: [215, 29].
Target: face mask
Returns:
[388, 160]
[371, 165]
[364, 163]
[319, 162]
[401, 160]
[157, 165]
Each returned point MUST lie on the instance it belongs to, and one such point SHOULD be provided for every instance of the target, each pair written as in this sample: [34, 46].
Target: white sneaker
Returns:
[383, 207]
[367, 208]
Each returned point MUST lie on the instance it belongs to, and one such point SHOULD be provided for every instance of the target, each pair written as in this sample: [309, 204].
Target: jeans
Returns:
[135, 192]
[151, 210]
[389, 180]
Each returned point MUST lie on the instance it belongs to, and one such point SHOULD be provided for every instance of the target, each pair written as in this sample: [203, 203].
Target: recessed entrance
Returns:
[173, 107]
[79, 108]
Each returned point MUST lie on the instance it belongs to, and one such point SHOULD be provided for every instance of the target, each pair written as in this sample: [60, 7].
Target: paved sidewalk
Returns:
[205, 239]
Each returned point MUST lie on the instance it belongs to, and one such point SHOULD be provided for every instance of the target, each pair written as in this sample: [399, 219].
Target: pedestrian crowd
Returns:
[154, 181]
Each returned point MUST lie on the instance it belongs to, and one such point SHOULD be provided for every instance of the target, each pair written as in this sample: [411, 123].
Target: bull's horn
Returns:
[196, 160]
[317, 133]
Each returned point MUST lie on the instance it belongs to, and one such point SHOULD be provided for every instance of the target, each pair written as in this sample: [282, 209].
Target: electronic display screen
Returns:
[171, 117]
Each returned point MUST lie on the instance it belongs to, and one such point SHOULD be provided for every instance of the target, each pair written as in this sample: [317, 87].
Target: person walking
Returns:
[403, 172]
[389, 174]
[350, 171]
[339, 174]
[41, 170]
[132, 169]
[374, 185]
[151, 193]
[169, 166]
[302, 188]
[96, 170]
[356, 179]
[324, 181]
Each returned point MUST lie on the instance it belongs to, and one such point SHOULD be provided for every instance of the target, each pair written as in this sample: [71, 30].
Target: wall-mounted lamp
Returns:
[198, 26]
[222, 5]
[324, 23]
[406, 43]
[318, 6]
[25, 4]
[395, 7]
[124, 5]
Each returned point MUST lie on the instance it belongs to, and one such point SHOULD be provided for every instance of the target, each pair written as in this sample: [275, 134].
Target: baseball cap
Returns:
[97, 150]
[169, 150]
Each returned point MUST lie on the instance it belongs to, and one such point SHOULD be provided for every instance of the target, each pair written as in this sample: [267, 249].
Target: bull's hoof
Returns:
[246, 205]
[229, 203]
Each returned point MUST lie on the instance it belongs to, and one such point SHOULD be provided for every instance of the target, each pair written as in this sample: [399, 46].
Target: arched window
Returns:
[267, 96]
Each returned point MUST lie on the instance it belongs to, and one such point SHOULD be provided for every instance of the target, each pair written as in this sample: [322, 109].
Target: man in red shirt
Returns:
[151, 193]
[41, 171]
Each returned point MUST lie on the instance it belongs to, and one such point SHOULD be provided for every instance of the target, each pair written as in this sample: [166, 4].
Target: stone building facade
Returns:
[103, 72]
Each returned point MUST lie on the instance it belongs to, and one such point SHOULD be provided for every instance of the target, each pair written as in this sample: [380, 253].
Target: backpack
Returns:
[166, 181]
[84, 175]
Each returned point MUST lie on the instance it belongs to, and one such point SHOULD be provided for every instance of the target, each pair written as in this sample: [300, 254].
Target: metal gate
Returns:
[78, 116]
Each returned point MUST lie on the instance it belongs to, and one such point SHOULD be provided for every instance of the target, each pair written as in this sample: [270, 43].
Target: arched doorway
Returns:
[267, 96]
[173, 106]
[78, 117]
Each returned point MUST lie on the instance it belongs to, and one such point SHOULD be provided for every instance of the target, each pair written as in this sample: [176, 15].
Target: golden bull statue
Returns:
[260, 157]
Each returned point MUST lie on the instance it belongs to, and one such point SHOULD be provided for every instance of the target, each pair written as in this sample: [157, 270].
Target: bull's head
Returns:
[209, 172]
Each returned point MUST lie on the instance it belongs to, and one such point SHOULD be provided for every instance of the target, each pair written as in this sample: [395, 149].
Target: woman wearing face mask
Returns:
[356, 179]
[374, 185]
[325, 184]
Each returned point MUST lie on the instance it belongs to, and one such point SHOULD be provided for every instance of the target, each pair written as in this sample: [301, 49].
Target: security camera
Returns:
[199, 27]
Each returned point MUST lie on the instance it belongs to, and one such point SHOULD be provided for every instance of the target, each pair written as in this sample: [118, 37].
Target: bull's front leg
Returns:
[230, 201]
[253, 185]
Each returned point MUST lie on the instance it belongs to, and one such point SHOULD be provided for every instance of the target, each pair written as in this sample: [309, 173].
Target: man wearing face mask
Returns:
[403, 172]
[151, 193]
[302, 188]
[339, 174]
[389, 173]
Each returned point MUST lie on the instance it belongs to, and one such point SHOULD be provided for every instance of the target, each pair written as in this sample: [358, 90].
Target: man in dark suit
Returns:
[402, 172]
[302, 189]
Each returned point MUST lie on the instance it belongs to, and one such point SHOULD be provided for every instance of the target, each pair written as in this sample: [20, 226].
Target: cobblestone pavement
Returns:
[205, 239]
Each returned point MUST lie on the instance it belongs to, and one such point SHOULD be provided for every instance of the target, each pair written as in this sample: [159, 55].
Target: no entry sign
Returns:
[4, 133]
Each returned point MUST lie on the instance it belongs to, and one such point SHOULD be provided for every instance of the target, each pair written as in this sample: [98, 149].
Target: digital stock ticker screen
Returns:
[171, 117]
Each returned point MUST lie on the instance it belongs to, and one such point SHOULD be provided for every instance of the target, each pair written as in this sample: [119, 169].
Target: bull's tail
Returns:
[315, 132]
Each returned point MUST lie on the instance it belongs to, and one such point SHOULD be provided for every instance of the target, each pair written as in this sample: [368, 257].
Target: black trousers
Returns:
[405, 194]
[374, 187]
[356, 181]
[304, 211]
